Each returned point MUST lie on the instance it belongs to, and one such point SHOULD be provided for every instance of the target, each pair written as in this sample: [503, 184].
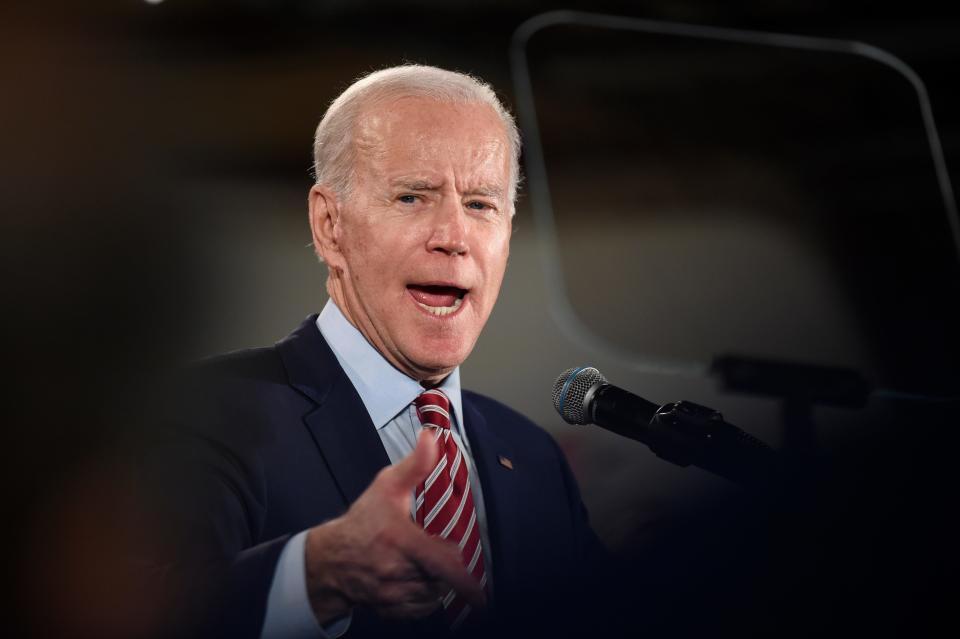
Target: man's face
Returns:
[421, 244]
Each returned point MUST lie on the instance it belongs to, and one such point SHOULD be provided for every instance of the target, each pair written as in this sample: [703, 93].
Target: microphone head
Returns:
[573, 391]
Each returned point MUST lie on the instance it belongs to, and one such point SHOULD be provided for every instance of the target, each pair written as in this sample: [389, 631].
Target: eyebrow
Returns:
[425, 185]
[415, 185]
[486, 191]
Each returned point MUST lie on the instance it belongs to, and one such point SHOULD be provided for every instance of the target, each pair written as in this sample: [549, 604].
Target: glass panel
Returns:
[716, 197]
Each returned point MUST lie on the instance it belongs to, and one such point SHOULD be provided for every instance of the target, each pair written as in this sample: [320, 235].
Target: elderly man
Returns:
[341, 483]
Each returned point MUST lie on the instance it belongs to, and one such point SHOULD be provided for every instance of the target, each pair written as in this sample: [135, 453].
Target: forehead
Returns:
[421, 134]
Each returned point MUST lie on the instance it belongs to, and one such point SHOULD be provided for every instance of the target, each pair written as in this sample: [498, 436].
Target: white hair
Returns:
[333, 148]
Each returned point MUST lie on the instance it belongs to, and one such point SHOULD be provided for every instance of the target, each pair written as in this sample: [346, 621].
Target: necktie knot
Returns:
[433, 408]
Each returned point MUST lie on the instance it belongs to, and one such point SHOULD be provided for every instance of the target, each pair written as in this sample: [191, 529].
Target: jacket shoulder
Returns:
[263, 364]
[229, 398]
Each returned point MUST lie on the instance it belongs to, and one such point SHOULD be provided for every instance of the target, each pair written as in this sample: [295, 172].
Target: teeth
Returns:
[440, 311]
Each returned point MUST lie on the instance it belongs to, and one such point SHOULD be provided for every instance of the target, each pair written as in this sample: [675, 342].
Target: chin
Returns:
[441, 354]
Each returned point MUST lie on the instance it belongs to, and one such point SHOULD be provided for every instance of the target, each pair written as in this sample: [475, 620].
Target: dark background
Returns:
[707, 199]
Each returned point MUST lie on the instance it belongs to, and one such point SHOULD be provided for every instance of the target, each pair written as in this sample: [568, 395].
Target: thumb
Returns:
[414, 468]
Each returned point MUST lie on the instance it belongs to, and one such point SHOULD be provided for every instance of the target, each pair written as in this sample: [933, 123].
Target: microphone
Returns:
[683, 433]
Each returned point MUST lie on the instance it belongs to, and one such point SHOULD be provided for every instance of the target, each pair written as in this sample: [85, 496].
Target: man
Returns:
[340, 483]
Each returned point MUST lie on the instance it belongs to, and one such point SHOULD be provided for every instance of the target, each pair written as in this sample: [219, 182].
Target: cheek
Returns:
[494, 269]
[360, 251]
[500, 253]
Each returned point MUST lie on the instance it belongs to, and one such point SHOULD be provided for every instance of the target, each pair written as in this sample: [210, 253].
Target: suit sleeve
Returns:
[288, 613]
[207, 500]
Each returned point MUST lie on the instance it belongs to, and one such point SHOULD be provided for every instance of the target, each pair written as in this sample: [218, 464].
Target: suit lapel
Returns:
[338, 422]
[499, 492]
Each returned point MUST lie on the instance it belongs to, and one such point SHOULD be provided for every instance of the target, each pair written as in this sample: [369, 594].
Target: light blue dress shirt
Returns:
[388, 397]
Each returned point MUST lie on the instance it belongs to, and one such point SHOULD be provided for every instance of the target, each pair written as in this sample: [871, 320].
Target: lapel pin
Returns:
[505, 462]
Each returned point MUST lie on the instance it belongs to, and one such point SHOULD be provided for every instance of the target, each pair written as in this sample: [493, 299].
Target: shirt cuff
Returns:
[289, 615]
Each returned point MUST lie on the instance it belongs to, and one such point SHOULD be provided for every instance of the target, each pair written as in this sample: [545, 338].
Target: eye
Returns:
[408, 199]
[477, 205]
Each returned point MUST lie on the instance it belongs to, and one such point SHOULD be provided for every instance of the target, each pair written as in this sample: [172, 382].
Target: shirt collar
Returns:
[384, 390]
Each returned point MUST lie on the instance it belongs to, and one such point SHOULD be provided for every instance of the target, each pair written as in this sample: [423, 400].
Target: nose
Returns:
[449, 234]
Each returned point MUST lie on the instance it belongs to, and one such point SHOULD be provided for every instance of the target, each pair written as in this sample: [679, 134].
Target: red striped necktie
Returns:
[444, 503]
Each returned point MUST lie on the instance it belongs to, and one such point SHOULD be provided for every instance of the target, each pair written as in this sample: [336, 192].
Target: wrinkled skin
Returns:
[429, 205]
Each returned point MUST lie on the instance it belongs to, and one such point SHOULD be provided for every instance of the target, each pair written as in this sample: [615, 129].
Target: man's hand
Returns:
[376, 556]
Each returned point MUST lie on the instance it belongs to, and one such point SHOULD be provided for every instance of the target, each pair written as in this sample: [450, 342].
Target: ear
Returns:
[324, 212]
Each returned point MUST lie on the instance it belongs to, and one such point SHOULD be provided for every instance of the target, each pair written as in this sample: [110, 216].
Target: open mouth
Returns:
[437, 299]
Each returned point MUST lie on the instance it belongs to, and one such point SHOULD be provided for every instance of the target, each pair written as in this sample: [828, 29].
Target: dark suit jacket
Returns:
[276, 440]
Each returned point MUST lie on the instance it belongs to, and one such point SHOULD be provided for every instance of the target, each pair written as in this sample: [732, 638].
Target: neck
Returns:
[428, 378]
